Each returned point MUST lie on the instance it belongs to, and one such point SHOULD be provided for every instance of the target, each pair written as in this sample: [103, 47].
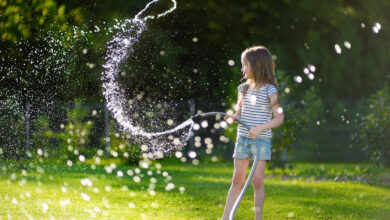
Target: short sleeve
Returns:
[240, 88]
[271, 90]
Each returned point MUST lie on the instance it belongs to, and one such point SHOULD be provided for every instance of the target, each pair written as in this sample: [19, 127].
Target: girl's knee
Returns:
[258, 183]
[238, 180]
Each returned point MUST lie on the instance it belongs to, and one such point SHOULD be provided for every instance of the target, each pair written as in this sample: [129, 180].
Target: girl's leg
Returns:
[240, 167]
[258, 186]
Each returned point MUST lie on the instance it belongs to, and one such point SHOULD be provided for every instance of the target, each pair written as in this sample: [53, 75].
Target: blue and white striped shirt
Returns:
[256, 109]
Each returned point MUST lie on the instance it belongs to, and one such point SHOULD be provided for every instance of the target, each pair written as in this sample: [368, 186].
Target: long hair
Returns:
[262, 66]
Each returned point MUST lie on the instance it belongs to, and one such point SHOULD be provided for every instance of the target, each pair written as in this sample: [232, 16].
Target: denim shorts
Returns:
[246, 147]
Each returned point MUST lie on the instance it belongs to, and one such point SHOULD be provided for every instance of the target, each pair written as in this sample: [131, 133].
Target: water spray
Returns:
[118, 49]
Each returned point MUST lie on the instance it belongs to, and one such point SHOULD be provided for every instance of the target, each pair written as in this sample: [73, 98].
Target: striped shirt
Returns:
[256, 109]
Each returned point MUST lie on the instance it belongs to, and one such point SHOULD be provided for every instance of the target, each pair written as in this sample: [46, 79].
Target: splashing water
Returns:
[118, 49]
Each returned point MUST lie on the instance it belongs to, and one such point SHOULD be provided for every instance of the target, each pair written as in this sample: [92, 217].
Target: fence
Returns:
[330, 138]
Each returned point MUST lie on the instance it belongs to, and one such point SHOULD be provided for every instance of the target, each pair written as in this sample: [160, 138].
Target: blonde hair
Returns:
[262, 66]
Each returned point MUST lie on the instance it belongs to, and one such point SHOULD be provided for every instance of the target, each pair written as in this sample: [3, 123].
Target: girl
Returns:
[257, 100]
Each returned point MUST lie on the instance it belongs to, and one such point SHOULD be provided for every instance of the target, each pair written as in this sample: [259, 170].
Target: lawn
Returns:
[170, 189]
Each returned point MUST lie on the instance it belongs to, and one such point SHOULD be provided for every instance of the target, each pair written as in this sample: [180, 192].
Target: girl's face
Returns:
[245, 69]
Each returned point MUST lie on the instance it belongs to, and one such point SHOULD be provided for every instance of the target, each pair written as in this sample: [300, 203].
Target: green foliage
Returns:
[120, 148]
[74, 138]
[42, 138]
[12, 128]
[298, 32]
[374, 129]
[24, 19]
[300, 111]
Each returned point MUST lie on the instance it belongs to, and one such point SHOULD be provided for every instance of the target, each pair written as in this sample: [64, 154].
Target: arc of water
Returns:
[159, 15]
[118, 49]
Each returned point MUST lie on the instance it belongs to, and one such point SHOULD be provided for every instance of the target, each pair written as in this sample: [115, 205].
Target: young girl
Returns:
[257, 99]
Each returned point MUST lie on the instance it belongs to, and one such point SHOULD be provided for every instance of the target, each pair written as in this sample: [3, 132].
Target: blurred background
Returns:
[332, 62]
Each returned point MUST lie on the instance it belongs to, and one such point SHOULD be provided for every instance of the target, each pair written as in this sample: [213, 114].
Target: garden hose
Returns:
[254, 165]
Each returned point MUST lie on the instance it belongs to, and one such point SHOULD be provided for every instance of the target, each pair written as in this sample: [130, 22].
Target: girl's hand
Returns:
[253, 133]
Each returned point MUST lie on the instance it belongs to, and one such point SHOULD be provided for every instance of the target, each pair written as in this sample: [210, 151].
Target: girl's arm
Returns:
[239, 105]
[237, 108]
[275, 122]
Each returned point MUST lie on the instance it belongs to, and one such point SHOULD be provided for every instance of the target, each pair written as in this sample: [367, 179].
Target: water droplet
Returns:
[169, 186]
[298, 79]
[176, 141]
[376, 28]
[131, 205]
[312, 68]
[86, 182]
[39, 151]
[208, 140]
[347, 44]
[119, 173]
[136, 179]
[144, 147]
[178, 154]
[82, 158]
[253, 100]
[195, 162]
[65, 202]
[192, 154]
[85, 197]
[45, 207]
[196, 127]
[337, 48]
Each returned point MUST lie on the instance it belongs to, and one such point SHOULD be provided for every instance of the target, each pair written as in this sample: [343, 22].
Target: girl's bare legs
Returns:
[258, 187]
[240, 167]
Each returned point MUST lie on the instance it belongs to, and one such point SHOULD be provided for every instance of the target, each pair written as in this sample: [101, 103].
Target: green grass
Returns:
[309, 191]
